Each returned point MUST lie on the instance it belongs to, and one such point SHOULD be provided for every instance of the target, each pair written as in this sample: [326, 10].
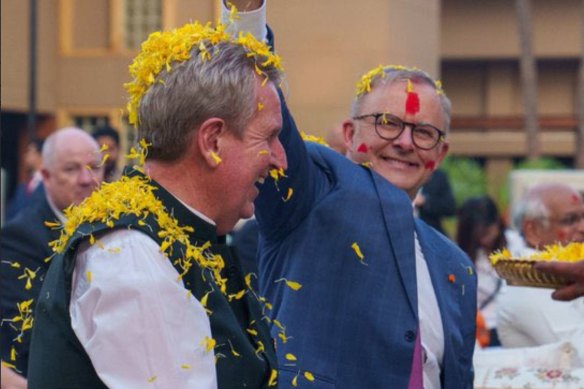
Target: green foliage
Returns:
[544, 163]
[466, 176]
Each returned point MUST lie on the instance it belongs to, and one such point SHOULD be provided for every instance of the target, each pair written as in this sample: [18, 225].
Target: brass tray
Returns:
[521, 272]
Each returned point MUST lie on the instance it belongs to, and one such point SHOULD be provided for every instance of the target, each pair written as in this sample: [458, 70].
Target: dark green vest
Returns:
[57, 359]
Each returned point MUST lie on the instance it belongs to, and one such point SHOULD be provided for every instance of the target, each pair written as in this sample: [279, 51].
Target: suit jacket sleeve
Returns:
[277, 212]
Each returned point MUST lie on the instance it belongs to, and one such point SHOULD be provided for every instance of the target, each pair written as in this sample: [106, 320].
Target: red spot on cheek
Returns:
[575, 199]
[412, 103]
[362, 148]
[430, 165]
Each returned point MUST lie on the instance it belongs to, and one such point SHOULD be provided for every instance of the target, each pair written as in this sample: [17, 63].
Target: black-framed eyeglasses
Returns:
[390, 127]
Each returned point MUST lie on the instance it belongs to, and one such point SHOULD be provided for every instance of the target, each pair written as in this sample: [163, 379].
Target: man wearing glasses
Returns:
[547, 214]
[384, 301]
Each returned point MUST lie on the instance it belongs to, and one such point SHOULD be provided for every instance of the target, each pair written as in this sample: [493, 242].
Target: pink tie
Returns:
[417, 374]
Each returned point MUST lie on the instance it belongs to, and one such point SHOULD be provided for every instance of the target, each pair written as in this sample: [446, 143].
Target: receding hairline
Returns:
[55, 141]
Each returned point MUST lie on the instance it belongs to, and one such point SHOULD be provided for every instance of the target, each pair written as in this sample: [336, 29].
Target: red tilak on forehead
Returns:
[561, 235]
[362, 148]
[430, 165]
[412, 100]
[575, 198]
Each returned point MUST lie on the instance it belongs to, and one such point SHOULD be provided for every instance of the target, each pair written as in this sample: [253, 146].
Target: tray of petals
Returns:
[521, 271]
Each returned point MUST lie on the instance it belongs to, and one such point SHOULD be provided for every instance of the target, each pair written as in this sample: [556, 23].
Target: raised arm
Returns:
[282, 204]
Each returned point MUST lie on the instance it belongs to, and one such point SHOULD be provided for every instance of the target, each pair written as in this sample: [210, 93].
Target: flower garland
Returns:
[135, 196]
[364, 84]
[162, 49]
[572, 252]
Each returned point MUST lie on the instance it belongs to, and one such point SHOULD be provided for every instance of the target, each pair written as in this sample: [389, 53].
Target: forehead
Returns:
[391, 98]
[565, 201]
[269, 101]
[76, 149]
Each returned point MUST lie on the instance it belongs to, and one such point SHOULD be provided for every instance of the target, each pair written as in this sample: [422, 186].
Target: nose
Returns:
[86, 176]
[278, 156]
[404, 140]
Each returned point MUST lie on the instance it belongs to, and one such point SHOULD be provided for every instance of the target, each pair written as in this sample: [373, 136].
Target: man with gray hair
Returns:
[550, 213]
[144, 290]
[385, 300]
[70, 172]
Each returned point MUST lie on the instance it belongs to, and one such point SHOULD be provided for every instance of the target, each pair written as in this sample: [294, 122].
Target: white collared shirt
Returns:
[432, 331]
[134, 317]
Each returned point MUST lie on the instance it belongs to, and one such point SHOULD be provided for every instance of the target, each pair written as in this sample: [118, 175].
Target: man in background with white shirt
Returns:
[547, 214]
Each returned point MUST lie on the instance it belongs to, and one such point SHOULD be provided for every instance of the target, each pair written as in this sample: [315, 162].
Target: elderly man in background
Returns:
[156, 298]
[547, 214]
[385, 301]
[70, 173]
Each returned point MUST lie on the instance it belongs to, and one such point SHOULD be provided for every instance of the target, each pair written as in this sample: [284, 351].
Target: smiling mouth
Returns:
[398, 162]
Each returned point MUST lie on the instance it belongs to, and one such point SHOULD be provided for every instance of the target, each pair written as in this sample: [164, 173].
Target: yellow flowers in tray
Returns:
[572, 252]
[521, 272]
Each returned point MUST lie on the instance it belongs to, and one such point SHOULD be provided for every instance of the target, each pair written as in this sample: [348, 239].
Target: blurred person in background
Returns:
[70, 173]
[547, 214]
[480, 231]
[435, 201]
[108, 139]
[27, 193]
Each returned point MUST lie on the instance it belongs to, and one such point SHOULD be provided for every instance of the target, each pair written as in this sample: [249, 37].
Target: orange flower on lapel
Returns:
[451, 278]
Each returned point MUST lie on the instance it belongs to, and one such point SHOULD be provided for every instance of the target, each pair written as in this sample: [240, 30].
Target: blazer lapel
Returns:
[399, 223]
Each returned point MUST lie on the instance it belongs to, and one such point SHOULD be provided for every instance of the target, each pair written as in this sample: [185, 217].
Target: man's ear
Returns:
[45, 173]
[531, 230]
[208, 138]
[348, 134]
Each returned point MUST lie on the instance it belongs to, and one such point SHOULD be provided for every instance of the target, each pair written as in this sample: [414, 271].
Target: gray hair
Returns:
[393, 74]
[196, 90]
[530, 208]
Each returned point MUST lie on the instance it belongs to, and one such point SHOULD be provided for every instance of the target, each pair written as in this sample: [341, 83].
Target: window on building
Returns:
[141, 17]
[90, 122]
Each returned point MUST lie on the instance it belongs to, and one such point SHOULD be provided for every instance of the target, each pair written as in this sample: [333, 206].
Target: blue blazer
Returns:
[353, 322]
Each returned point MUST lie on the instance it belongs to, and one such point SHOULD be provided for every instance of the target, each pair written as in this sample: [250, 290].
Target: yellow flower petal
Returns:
[357, 251]
[273, 378]
[208, 343]
[291, 284]
[216, 158]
